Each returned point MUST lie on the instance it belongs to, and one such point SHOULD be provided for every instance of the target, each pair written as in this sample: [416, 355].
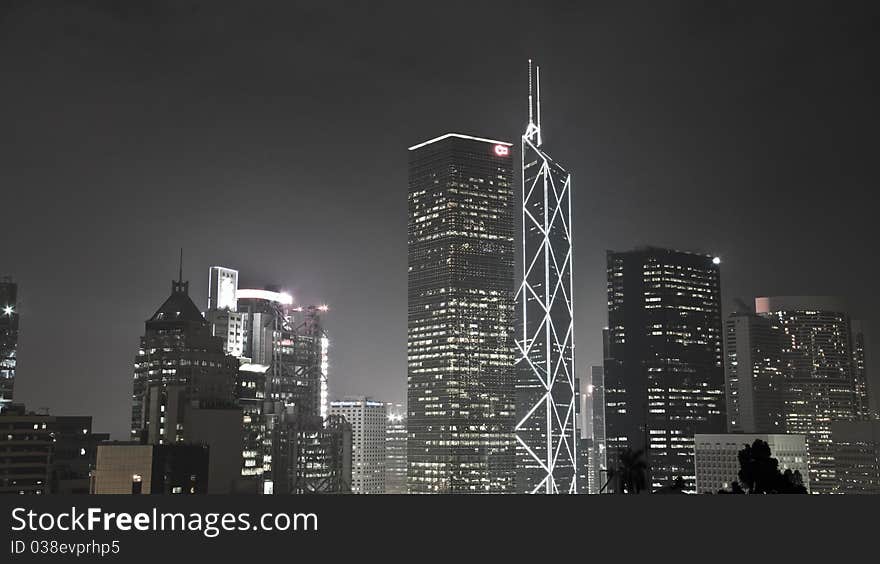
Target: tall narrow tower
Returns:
[546, 393]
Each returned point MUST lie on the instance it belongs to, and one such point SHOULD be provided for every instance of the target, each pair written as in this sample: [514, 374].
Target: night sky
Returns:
[272, 139]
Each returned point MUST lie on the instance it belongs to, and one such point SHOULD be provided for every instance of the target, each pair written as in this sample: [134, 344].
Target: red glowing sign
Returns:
[502, 150]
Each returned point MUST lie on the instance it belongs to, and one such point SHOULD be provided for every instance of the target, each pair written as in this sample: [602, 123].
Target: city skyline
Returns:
[638, 157]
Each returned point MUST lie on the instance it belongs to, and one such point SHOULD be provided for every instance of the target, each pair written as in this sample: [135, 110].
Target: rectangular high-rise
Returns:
[755, 374]
[8, 339]
[395, 450]
[460, 347]
[664, 381]
[367, 419]
[822, 382]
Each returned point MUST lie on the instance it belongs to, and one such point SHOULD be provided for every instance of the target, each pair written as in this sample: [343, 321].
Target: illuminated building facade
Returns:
[180, 365]
[857, 457]
[367, 419]
[546, 398]
[460, 328]
[8, 339]
[717, 463]
[821, 377]
[284, 354]
[755, 374]
[664, 380]
[395, 450]
[597, 466]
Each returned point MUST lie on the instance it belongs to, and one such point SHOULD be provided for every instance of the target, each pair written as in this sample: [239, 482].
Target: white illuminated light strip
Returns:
[559, 428]
[460, 136]
[279, 297]
[325, 367]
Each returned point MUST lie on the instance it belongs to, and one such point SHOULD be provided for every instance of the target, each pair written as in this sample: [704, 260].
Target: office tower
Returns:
[222, 288]
[180, 366]
[664, 380]
[820, 378]
[44, 454]
[26, 442]
[460, 350]
[219, 427]
[367, 419]
[74, 452]
[755, 374]
[284, 353]
[311, 347]
[8, 339]
[856, 456]
[395, 450]
[141, 469]
[546, 397]
[596, 397]
[223, 315]
[860, 374]
[717, 463]
[256, 440]
[584, 426]
[310, 455]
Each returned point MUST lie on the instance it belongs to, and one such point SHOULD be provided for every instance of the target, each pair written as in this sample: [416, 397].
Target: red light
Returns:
[502, 150]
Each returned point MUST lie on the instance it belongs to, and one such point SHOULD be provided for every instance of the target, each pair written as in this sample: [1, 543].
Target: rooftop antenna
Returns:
[538, 101]
[530, 93]
[180, 273]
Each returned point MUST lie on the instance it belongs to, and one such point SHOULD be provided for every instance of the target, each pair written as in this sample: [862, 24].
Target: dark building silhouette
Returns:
[311, 455]
[42, 453]
[460, 342]
[140, 469]
[8, 339]
[25, 451]
[180, 365]
[664, 380]
[755, 374]
[74, 450]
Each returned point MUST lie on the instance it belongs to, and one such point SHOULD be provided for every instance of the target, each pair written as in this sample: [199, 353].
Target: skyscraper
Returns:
[664, 381]
[180, 366]
[755, 374]
[367, 419]
[598, 465]
[460, 351]
[282, 380]
[860, 373]
[821, 376]
[8, 339]
[546, 430]
[395, 450]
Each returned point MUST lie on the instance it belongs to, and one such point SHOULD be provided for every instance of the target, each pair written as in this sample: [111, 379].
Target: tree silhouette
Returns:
[630, 475]
[759, 473]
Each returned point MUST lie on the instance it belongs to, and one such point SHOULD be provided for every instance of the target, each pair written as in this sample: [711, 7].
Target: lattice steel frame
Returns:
[546, 293]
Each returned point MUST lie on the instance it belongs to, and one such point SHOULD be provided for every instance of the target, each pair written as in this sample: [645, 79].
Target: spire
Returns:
[538, 101]
[533, 131]
[179, 286]
[531, 120]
